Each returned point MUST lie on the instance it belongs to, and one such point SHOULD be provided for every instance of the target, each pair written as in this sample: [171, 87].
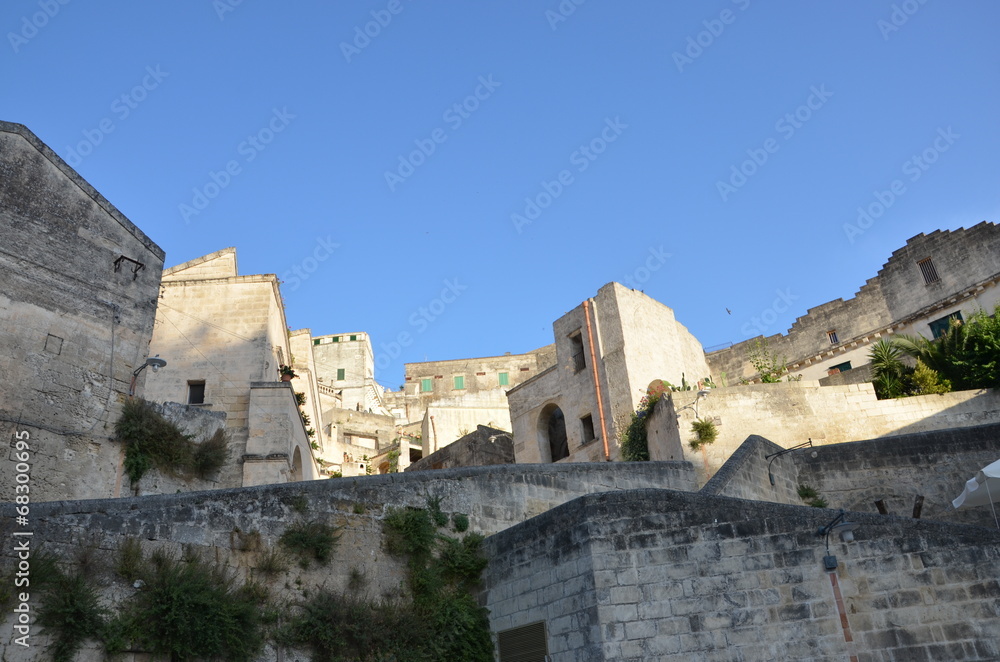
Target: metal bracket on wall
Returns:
[139, 266]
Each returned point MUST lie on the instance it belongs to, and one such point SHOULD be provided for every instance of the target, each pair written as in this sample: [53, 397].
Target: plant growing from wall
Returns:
[311, 541]
[300, 398]
[393, 457]
[811, 497]
[634, 442]
[152, 442]
[705, 433]
[766, 362]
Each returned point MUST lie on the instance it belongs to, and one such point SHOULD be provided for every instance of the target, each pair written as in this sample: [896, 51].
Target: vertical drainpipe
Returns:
[597, 384]
[434, 430]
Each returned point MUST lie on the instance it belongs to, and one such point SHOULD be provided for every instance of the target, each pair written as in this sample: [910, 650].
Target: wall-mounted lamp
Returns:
[837, 525]
[155, 362]
[773, 456]
[703, 393]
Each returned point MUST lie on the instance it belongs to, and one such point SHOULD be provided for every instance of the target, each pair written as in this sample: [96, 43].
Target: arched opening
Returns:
[296, 466]
[552, 433]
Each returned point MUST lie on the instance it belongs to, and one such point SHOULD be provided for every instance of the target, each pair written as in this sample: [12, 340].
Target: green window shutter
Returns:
[504, 379]
[335, 339]
[425, 386]
[340, 374]
[354, 337]
[316, 342]
[459, 382]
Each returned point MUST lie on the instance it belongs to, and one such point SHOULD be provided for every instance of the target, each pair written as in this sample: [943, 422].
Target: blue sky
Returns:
[466, 172]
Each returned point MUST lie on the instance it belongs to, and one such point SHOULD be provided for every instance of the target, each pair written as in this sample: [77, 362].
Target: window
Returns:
[840, 367]
[576, 343]
[832, 335]
[340, 374]
[425, 386]
[504, 379]
[940, 327]
[335, 339]
[523, 643]
[587, 423]
[316, 341]
[354, 337]
[196, 392]
[928, 271]
[459, 382]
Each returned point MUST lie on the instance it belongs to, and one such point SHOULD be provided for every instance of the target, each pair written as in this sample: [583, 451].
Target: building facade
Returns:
[77, 305]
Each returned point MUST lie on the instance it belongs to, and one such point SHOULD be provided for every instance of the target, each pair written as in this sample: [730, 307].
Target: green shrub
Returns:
[811, 497]
[210, 455]
[434, 508]
[460, 522]
[706, 433]
[130, 561]
[271, 563]
[311, 541]
[71, 614]
[634, 442]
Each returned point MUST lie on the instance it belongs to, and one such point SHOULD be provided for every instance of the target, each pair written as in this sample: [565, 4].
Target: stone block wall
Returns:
[791, 413]
[656, 574]
[78, 300]
[277, 448]
[483, 447]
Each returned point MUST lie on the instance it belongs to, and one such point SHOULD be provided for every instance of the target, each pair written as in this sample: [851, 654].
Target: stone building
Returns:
[932, 279]
[224, 337]
[608, 350]
[77, 304]
[345, 365]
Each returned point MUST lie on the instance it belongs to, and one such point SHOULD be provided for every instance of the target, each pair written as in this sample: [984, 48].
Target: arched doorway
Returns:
[552, 433]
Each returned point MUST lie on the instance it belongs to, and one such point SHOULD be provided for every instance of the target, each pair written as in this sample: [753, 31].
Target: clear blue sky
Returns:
[623, 122]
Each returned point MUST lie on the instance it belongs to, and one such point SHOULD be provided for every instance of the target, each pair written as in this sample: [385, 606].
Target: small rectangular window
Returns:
[425, 386]
[587, 423]
[335, 339]
[354, 337]
[340, 373]
[929, 272]
[529, 642]
[939, 327]
[833, 337]
[459, 382]
[196, 392]
[504, 379]
[316, 341]
[576, 344]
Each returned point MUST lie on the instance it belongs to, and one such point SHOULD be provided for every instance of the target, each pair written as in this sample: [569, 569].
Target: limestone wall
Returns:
[656, 574]
[482, 447]
[277, 449]
[791, 413]
[74, 327]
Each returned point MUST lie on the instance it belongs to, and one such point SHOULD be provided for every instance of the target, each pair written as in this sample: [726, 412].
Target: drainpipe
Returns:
[597, 385]
[434, 429]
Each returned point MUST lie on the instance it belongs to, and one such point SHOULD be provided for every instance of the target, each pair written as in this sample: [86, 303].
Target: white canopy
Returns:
[981, 490]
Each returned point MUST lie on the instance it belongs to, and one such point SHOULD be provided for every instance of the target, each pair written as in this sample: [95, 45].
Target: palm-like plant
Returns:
[888, 368]
[944, 354]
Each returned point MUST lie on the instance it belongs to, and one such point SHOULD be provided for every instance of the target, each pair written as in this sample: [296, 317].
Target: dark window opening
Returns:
[523, 644]
[196, 393]
[556, 431]
[587, 422]
[939, 327]
[832, 335]
[579, 361]
[840, 367]
[929, 272]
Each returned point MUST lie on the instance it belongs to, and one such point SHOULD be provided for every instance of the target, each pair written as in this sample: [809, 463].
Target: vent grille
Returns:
[524, 644]
[928, 271]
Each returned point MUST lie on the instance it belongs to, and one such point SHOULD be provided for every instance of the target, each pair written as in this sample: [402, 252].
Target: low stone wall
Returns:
[664, 575]
[854, 475]
[483, 447]
[791, 413]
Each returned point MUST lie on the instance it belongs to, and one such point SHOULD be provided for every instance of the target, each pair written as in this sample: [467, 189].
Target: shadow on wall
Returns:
[894, 470]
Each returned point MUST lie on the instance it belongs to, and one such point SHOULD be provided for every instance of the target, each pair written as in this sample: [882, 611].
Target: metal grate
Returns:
[928, 271]
[524, 644]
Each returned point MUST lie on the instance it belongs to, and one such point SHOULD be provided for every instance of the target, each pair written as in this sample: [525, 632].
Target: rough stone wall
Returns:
[482, 447]
[73, 329]
[656, 574]
[447, 420]
[791, 413]
[896, 300]
[348, 424]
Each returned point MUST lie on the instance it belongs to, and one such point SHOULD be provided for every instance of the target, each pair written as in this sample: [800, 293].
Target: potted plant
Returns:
[287, 374]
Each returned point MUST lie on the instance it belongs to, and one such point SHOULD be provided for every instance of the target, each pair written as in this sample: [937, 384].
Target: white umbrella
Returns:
[981, 489]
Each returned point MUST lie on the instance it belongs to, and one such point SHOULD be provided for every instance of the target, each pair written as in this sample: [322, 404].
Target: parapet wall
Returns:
[664, 575]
